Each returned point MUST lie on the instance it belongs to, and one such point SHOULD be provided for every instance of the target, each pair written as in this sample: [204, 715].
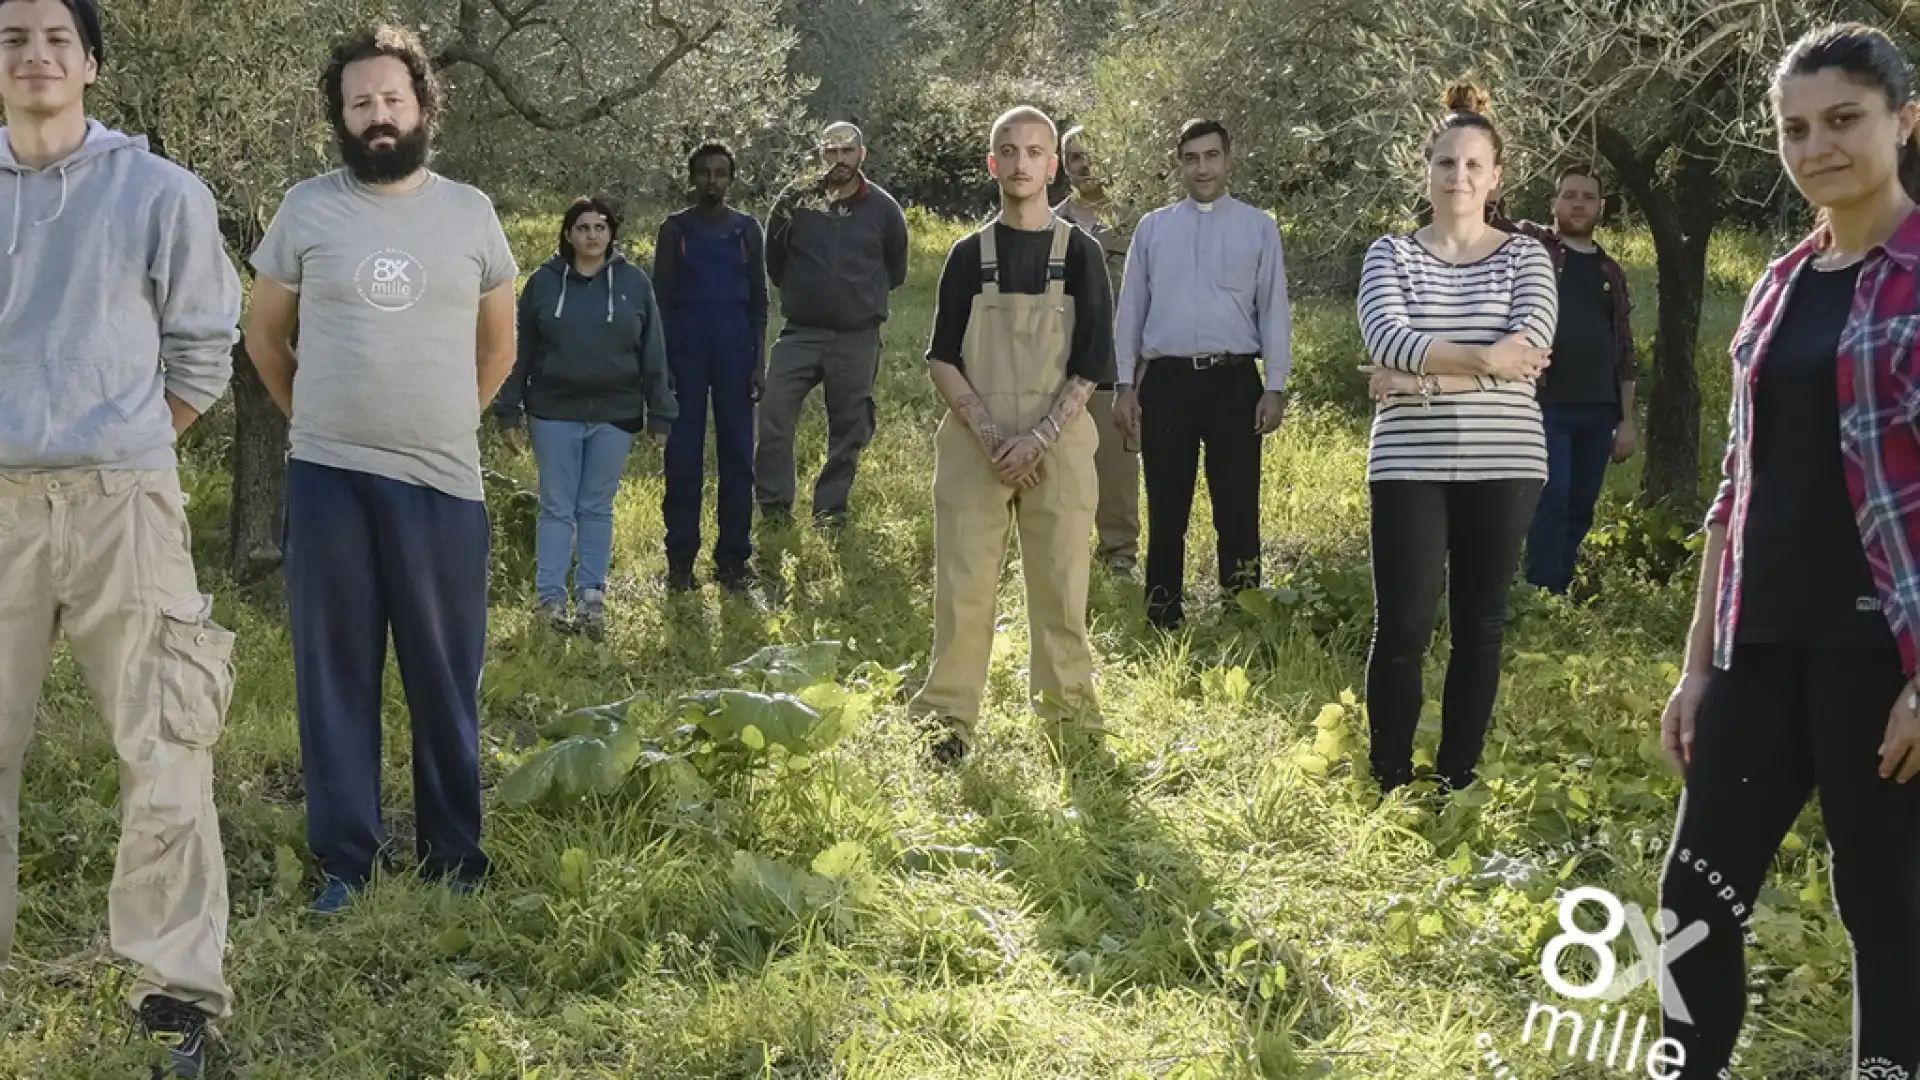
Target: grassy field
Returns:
[1231, 901]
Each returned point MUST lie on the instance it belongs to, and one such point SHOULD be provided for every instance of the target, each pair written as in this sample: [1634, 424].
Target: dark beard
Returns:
[405, 157]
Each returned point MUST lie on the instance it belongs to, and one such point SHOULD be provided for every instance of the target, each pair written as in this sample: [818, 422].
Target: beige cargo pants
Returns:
[102, 558]
[1015, 350]
[1118, 518]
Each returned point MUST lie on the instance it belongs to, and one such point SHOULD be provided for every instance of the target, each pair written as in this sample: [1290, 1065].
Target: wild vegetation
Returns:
[811, 898]
[722, 851]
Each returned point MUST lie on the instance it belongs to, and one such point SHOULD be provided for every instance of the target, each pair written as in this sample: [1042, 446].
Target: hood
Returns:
[563, 267]
[100, 141]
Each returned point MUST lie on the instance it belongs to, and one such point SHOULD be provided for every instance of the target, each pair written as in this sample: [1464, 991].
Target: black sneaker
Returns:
[680, 579]
[180, 1028]
[737, 580]
[950, 750]
[831, 521]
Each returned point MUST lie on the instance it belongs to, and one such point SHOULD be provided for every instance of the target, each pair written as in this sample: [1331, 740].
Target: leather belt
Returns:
[1208, 360]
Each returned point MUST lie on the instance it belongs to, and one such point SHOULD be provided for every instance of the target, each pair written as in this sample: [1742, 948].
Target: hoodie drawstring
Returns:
[62, 208]
[20, 185]
[561, 305]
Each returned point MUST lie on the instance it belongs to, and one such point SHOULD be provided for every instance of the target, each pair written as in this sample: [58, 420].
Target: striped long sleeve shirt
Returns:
[1411, 298]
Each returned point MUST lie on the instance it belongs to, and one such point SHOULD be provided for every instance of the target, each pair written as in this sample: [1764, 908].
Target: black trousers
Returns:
[1466, 535]
[1782, 722]
[1181, 410]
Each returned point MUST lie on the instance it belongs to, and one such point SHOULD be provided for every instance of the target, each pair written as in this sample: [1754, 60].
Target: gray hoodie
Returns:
[115, 288]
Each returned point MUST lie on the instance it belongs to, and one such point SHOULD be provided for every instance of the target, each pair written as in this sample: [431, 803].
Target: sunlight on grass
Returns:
[1229, 900]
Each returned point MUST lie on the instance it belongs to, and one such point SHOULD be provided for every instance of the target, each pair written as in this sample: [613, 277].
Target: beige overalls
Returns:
[1015, 352]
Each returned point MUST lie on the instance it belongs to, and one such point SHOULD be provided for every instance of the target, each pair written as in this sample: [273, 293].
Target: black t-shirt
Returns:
[1805, 578]
[1583, 347]
[1023, 269]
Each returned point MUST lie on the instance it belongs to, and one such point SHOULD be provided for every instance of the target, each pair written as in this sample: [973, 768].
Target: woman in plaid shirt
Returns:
[1800, 664]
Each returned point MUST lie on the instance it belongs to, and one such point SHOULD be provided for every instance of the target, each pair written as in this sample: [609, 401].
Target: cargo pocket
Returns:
[196, 674]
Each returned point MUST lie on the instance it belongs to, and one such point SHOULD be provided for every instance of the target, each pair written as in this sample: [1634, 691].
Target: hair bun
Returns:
[1464, 96]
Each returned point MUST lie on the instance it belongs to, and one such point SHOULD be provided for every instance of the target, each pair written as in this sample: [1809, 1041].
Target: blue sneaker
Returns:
[334, 898]
[180, 1028]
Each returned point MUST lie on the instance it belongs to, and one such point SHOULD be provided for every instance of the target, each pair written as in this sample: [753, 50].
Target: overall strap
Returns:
[990, 258]
[1057, 259]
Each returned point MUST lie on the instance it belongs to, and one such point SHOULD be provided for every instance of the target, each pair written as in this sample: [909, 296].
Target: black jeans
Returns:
[1182, 409]
[1468, 534]
[1781, 723]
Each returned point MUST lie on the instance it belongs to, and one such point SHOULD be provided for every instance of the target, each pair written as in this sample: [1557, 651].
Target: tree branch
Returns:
[467, 49]
[1902, 13]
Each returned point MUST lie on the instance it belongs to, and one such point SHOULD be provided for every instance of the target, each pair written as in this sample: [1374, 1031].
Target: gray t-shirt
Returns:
[390, 289]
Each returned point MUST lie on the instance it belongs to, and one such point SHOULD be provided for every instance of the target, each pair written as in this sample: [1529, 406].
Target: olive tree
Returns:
[230, 91]
[1333, 99]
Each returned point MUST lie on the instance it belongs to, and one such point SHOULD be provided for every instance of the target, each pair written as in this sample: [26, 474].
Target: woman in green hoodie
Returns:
[592, 372]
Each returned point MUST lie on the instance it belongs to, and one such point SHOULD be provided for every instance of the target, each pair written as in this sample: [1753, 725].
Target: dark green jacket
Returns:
[591, 350]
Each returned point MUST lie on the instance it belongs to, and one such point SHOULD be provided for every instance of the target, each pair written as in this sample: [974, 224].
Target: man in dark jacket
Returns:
[1586, 395]
[836, 248]
[709, 266]
[591, 371]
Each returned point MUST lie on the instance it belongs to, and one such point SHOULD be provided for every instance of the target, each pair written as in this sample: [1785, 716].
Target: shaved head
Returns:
[842, 134]
[1024, 114]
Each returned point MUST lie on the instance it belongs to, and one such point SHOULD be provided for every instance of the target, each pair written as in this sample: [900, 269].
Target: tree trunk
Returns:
[1681, 236]
[1681, 207]
[259, 475]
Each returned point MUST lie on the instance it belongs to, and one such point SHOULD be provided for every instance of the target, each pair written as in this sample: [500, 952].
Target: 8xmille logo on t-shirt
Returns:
[390, 279]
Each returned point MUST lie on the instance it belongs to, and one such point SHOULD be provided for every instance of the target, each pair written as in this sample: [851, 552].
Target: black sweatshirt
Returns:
[835, 262]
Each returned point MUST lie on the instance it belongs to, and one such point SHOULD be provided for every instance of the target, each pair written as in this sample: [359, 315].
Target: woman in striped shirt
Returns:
[1457, 318]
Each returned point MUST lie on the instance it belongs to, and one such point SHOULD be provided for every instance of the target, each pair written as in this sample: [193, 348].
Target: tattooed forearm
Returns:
[1067, 406]
[966, 404]
[974, 412]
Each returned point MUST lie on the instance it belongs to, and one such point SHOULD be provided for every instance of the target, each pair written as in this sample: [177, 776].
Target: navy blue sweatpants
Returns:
[366, 555]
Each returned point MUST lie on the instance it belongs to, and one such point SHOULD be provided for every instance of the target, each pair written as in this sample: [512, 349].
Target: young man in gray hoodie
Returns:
[118, 308]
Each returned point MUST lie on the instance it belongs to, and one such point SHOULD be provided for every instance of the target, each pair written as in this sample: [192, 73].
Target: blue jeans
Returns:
[1579, 445]
[581, 466]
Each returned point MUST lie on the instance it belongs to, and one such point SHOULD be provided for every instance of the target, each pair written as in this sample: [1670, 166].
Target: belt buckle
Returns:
[1206, 361]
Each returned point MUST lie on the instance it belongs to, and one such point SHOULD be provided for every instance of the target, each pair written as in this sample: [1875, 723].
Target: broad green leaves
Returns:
[775, 896]
[796, 712]
[757, 720]
[594, 752]
[786, 668]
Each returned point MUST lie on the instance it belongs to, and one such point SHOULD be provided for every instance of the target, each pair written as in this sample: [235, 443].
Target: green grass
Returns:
[1232, 901]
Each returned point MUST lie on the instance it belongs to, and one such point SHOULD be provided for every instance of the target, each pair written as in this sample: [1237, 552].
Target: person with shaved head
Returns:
[836, 249]
[1022, 334]
[1117, 523]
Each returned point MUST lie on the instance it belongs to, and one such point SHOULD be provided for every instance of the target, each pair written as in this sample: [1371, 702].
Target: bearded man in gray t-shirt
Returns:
[400, 283]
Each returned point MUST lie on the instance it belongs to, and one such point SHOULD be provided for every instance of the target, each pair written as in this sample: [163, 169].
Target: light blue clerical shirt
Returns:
[1205, 278]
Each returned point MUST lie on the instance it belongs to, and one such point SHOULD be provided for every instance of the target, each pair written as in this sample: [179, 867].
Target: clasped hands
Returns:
[1017, 461]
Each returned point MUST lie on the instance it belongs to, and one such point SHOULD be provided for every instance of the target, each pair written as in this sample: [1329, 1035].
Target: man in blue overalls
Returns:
[709, 268]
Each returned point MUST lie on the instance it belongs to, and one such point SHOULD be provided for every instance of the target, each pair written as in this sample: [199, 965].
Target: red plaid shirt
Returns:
[1879, 381]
